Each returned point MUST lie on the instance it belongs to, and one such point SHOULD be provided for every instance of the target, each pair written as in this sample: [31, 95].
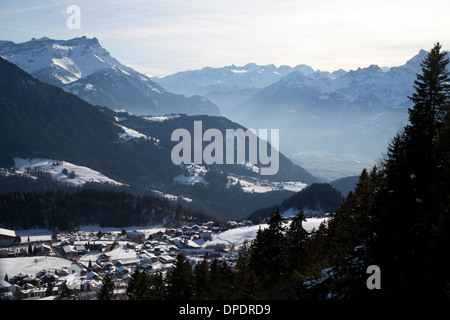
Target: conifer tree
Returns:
[158, 288]
[246, 283]
[107, 290]
[134, 287]
[296, 238]
[410, 203]
[268, 256]
[180, 279]
[431, 99]
[201, 280]
[431, 104]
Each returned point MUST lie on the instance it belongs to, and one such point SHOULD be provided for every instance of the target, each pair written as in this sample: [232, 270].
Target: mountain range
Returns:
[332, 123]
[42, 121]
[83, 67]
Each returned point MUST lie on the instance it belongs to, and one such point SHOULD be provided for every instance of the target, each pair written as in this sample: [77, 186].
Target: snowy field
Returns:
[238, 236]
[258, 185]
[31, 265]
[55, 168]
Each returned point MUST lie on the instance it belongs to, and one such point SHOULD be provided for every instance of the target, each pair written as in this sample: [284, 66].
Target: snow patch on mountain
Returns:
[258, 185]
[171, 197]
[161, 118]
[193, 173]
[132, 135]
[62, 171]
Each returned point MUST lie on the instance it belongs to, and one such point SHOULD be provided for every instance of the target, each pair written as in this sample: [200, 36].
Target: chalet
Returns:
[171, 231]
[41, 273]
[247, 223]
[43, 249]
[108, 266]
[136, 236]
[186, 229]
[32, 281]
[123, 270]
[7, 252]
[18, 278]
[27, 286]
[15, 290]
[178, 233]
[74, 251]
[145, 266]
[129, 262]
[97, 268]
[166, 259]
[34, 293]
[62, 272]
[7, 237]
[220, 247]
[103, 258]
[232, 224]
[208, 224]
[81, 249]
[158, 235]
[49, 278]
[206, 234]
[4, 285]
[70, 251]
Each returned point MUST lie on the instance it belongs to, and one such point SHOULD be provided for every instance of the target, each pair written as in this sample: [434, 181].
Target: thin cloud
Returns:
[171, 35]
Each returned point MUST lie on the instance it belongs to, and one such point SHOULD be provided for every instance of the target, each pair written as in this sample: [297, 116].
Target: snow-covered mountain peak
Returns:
[83, 67]
[59, 61]
[417, 59]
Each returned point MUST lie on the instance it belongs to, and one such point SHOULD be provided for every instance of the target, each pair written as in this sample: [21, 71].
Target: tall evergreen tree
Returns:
[107, 290]
[138, 286]
[201, 280]
[431, 104]
[158, 288]
[296, 241]
[268, 256]
[180, 279]
[431, 99]
[410, 201]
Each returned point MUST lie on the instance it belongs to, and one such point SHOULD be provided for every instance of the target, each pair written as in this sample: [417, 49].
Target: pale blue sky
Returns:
[161, 37]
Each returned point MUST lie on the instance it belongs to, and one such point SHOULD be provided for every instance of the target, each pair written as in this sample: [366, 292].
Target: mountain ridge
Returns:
[68, 63]
[349, 116]
[43, 121]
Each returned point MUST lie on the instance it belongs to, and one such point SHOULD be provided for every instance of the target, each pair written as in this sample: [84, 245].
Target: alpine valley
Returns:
[334, 124]
[72, 115]
[54, 139]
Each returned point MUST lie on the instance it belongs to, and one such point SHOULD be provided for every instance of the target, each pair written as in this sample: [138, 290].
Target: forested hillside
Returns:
[69, 210]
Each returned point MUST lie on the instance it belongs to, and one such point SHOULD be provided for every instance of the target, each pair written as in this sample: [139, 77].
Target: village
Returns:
[72, 265]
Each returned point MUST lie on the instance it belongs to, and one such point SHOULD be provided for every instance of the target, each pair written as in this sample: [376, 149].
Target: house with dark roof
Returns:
[7, 237]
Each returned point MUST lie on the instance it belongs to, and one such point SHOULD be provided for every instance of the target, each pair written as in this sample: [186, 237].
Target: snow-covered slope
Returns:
[62, 171]
[238, 236]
